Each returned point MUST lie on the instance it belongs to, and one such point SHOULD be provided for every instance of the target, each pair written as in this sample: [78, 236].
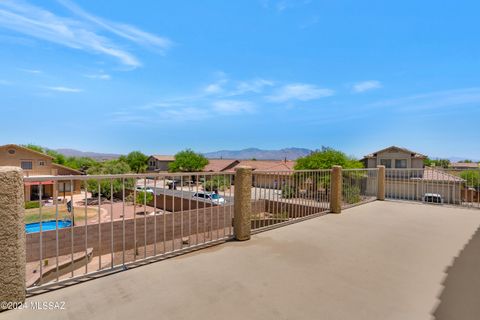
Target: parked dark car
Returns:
[432, 198]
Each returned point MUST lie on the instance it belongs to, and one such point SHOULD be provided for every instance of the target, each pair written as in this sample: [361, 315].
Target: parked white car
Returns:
[141, 189]
[211, 197]
[432, 198]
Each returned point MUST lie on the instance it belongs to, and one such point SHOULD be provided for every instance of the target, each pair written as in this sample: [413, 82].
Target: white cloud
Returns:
[123, 30]
[5, 82]
[99, 76]
[162, 105]
[64, 89]
[75, 33]
[233, 106]
[223, 97]
[225, 88]
[434, 100]
[213, 88]
[366, 86]
[33, 71]
[255, 86]
[217, 86]
[299, 91]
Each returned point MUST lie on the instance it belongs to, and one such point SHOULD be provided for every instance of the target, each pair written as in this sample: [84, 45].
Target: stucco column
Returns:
[381, 183]
[242, 203]
[12, 235]
[336, 190]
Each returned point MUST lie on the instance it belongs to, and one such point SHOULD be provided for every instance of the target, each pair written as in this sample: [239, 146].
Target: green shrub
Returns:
[32, 204]
[141, 197]
[219, 183]
[351, 194]
[472, 178]
[109, 167]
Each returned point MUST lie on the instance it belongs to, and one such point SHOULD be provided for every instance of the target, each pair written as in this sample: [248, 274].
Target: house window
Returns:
[26, 165]
[11, 151]
[64, 187]
[41, 163]
[401, 163]
[386, 162]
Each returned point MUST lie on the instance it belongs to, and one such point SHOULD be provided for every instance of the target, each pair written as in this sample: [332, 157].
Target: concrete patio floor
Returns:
[381, 260]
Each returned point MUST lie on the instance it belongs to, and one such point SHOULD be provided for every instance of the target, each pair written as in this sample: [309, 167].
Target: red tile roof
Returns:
[413, 153]
[432, 174]
[267, 165]
[160, 157]
[466, 165]
[218, 165]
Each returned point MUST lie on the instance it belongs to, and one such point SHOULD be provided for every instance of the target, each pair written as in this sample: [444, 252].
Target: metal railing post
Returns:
[336, 190]
[242, 203]
[381, 183]
[12, 236]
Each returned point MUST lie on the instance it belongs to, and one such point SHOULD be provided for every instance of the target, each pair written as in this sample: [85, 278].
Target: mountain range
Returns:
[259, 154]
[95, 155]
[250, 153]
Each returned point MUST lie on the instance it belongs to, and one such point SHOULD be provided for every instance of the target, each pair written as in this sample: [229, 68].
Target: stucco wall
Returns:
[209, 219]
[393, 155]
[99, 237]
[21, 154]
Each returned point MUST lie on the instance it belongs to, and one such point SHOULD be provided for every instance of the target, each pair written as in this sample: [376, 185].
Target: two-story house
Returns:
[395, 157]
[37, 164]
[159, 163]
[408, 178]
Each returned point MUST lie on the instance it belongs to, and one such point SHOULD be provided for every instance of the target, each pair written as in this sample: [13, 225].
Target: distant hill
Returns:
[94, 155]
[458, 159]
[259, 154]
[455, 159]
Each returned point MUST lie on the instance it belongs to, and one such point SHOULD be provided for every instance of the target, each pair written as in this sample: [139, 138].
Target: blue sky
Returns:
[158, 76]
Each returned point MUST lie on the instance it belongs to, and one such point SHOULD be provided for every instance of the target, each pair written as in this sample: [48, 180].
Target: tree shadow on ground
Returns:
[460, 298]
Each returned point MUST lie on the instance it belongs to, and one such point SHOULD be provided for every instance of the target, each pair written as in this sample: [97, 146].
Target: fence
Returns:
[283, 197]
[115, 221]
[434, 185]
[118, 220]
[359, 186]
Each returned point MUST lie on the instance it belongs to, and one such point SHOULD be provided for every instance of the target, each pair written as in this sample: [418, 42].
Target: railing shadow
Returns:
[460, 296]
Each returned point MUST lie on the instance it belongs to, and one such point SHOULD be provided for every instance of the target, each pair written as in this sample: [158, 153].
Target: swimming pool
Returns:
[47, 225]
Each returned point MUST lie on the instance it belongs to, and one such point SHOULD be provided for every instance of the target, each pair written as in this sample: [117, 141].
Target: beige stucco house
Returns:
[36, 164]
[395, 157]
[407, 178]
[159, 162]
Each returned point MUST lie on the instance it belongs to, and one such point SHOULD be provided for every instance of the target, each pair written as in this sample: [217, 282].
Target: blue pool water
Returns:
[47, 225]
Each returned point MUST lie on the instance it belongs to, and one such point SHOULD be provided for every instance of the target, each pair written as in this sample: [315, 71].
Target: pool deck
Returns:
[381, 260]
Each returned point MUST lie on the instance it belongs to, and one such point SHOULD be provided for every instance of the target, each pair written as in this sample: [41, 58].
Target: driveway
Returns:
[381, 260]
